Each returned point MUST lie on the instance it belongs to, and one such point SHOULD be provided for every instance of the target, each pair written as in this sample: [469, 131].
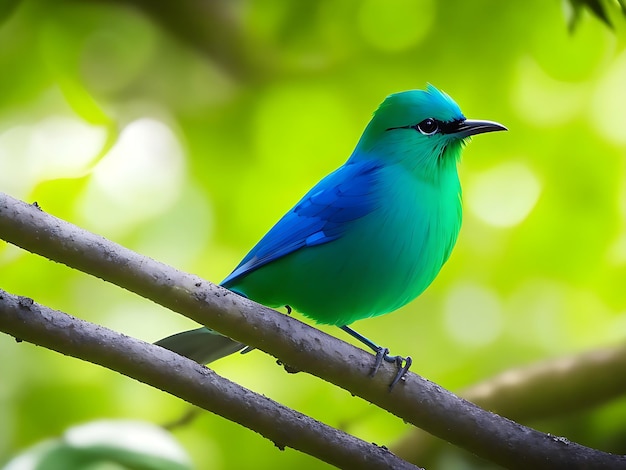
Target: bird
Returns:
[369, 237]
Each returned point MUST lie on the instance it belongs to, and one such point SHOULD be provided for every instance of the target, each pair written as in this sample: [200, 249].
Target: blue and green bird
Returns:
[370, 236]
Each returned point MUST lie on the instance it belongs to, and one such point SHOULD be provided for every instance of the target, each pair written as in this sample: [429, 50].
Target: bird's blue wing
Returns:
[321, 216]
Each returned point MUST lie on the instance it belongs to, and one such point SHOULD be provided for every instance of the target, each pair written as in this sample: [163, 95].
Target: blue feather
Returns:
[321, 216]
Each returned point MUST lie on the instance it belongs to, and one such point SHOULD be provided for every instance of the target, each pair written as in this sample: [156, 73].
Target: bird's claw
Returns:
[402, 364]
[381, 354]
[402, 369]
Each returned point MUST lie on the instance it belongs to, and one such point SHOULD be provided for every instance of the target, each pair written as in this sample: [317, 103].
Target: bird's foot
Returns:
[382, 354]
[402, 364]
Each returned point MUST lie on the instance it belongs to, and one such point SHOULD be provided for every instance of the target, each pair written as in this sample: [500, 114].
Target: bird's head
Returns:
[422, 129]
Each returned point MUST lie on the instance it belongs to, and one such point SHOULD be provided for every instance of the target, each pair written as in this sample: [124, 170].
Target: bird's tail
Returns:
[201, 345]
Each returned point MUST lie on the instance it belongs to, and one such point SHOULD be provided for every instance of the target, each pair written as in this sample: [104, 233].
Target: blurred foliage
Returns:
[184, 132]
[602, 9]
[115, 445]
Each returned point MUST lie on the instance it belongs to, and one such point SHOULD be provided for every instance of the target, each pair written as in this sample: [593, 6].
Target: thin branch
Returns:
[554, 387]
[538, 391]
[179, 376]
[416, 400]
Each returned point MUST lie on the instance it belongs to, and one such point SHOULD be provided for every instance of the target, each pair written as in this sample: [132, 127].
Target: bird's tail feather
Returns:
[201, 345]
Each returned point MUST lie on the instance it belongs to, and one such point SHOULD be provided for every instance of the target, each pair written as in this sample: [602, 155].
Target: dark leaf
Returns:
[599, 8]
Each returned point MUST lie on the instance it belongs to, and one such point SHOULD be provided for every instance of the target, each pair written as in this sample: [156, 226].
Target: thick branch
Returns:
[167, 371]
[417, 400]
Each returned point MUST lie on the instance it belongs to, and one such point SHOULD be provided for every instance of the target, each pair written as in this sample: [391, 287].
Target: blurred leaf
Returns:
[59, 45]
[60, 53]
[601, 9]
[128, 445]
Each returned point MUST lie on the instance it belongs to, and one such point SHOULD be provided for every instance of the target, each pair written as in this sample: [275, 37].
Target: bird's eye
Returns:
[428, 126]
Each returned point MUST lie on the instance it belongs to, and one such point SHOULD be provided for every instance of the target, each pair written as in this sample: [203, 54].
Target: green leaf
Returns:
[106, 445]
[601, 9]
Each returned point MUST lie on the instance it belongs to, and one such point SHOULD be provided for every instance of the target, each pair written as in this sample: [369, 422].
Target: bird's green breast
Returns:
[386, 260]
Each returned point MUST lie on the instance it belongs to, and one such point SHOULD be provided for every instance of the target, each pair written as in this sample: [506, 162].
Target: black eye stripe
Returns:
[450, 127]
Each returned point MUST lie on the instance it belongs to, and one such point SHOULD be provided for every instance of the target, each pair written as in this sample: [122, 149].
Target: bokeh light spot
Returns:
[63, 147]
[504, 195]
[607, 116]
[55, 147]
[617, 252]
[542, 100]
[473, 314]
[556, 316]
[141, 177]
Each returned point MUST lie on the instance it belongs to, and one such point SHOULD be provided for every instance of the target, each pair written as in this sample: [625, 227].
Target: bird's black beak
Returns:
[470, 127]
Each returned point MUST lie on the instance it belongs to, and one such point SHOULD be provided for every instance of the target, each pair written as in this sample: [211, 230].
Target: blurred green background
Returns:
[184, 130]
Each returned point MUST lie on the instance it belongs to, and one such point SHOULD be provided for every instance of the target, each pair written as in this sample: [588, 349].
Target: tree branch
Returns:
[554, 387]
[538, 391]
[179, 376]
[416, 400]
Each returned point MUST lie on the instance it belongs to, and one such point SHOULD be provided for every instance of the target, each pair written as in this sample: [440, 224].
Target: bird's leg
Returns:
[289, 309]
[402, 363]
